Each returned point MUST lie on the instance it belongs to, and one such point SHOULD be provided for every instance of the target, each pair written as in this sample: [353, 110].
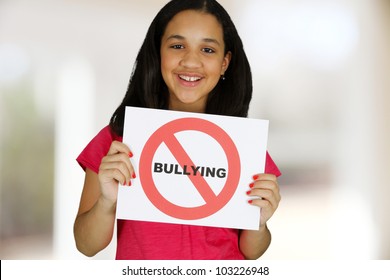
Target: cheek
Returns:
[165, 69]
[167, 65]
[215, 68]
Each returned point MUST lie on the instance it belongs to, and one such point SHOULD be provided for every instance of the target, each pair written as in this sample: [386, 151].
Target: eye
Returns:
[208, 50]
[177, 47]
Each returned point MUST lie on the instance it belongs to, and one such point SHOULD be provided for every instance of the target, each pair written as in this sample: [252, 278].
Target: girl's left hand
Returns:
[265, 192]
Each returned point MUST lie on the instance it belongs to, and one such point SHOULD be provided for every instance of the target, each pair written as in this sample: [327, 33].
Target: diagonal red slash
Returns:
[183, 158]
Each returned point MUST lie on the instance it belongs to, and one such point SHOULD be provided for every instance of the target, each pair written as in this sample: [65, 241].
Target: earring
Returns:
[223, 77]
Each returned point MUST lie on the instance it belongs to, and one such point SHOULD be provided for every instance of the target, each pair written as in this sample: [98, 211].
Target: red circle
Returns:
[169, 129]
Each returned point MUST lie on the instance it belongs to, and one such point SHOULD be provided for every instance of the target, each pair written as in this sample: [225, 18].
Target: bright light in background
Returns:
[352, 228]
[324, 34]
[74, 126]
[320, 34]
[299, 53]
[14, 63]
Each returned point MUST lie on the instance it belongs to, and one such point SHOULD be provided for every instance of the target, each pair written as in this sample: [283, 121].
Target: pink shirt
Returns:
[137, 240]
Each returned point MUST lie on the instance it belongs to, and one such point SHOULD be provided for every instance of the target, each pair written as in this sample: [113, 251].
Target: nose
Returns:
[191, 59]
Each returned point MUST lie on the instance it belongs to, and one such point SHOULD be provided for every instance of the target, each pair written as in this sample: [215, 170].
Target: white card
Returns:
[192, 168]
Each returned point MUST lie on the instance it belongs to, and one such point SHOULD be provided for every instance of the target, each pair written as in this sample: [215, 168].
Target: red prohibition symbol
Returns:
[166, 134]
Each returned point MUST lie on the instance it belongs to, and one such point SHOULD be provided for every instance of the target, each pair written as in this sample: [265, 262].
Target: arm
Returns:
[94, 224]
[254, 243]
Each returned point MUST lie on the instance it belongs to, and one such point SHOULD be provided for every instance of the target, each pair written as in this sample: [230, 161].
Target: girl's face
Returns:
[192, 59]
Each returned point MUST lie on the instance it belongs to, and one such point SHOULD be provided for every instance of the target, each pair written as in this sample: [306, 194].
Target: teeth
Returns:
[189, 79]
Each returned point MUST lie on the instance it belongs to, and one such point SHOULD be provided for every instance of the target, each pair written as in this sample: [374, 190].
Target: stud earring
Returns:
[223, 77]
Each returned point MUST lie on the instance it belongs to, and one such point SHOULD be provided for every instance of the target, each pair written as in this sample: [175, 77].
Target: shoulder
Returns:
[104, 138]
[106, 135]
[97, 148]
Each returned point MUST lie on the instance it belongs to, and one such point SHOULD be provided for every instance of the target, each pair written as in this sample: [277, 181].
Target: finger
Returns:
[266, 185]
[265, 177]
[119, 147]
[121, 166]
[120, 156]
[263, 184]
[107, 175]
[263, 204]
[263, 194]
[262, 189]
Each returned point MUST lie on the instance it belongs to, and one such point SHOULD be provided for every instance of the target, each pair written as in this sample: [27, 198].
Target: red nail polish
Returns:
[133, 176]
[130, 154]
[251, 185]
[129, 183]
[250, 201]
[255, 177]
[248, 192]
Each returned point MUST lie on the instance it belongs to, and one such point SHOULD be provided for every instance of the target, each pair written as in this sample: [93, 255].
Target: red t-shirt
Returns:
[162, 241]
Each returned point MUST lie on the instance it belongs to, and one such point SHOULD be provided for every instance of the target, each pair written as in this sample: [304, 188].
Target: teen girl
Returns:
[192, 60]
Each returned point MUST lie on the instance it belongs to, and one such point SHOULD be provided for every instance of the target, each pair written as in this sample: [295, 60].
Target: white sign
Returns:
[192, 168]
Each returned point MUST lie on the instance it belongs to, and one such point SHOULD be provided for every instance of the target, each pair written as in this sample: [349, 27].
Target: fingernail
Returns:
[251, 185]
[130, 154]
[248, 192]
[133, 176]
[250, 201]
[129, 184]
[255, 177]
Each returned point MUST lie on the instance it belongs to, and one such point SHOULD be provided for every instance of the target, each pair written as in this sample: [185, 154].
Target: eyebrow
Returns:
[206, 40]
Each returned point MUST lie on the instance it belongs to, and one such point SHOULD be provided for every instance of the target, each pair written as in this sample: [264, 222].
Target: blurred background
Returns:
[321, 76]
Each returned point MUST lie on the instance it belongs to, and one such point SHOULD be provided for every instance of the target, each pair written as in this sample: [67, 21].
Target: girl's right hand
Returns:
[115, 167]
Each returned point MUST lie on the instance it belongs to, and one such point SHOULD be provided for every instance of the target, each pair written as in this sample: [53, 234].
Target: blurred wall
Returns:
[320, 76]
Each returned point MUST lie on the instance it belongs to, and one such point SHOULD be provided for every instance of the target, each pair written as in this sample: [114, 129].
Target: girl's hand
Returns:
[115, 167]
[265, 191]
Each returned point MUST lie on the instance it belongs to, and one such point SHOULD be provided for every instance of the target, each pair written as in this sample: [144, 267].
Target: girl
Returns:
[192, 60]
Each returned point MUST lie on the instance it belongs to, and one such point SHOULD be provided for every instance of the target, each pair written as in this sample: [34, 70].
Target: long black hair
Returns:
[147, 89]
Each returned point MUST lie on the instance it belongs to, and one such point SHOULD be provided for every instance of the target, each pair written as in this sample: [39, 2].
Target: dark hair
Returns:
[230, 97]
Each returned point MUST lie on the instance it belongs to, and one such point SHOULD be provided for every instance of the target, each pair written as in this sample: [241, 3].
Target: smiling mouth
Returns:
[189, 78]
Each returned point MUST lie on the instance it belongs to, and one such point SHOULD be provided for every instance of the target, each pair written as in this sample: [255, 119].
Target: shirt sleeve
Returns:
[96, 149]
[270, 166]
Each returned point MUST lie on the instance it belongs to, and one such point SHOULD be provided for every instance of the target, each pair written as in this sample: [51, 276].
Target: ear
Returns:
[226, 62]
